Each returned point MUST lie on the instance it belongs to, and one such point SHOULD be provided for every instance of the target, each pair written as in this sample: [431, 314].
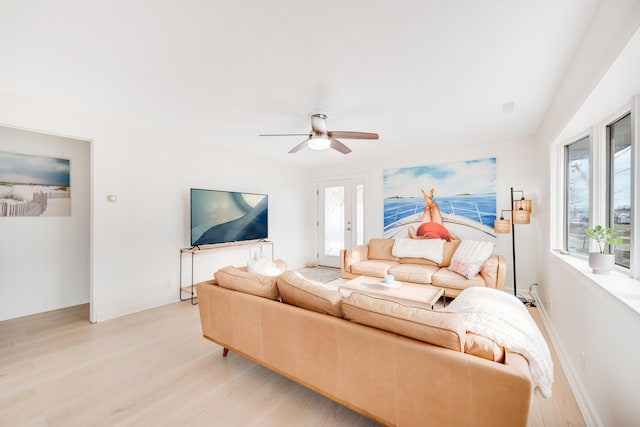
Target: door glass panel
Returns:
[359, 214]
[334, 223]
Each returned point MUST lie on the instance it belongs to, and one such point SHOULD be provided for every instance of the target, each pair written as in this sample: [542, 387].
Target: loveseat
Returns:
[423, 262]
[400, 366]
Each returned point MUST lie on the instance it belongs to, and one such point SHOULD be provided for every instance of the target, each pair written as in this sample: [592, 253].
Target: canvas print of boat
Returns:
[450, 201]
[34, 185]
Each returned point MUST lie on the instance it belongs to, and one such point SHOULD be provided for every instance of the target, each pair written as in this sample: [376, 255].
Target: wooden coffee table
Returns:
[423, 296]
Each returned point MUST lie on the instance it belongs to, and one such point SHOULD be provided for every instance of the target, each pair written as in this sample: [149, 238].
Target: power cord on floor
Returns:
[531, 301]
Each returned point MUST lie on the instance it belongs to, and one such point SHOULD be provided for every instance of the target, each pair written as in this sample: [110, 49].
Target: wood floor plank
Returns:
[562, 409]
[154, 368]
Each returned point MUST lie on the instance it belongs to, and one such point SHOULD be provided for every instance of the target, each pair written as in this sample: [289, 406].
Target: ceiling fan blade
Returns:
[299, 146]
[339, 146]
[284, 134]
[353, 135]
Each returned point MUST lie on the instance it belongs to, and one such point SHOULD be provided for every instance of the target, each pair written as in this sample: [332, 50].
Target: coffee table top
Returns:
[423, 296]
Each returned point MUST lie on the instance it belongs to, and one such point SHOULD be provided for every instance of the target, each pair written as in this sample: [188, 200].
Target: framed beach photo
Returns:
[450, 201]
[33, 185]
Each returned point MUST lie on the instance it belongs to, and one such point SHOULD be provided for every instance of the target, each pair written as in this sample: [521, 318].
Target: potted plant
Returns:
[602, 262]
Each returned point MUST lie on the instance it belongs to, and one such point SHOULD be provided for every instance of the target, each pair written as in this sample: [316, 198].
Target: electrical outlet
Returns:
[169, 284]
[583, 362]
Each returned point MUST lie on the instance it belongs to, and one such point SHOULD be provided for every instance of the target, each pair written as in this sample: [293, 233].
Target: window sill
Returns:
[620, 285]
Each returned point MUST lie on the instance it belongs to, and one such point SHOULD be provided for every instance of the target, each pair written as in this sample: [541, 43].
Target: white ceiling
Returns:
[431, 73]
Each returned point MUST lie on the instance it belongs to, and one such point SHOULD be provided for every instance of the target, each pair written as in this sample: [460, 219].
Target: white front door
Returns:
[340, 226]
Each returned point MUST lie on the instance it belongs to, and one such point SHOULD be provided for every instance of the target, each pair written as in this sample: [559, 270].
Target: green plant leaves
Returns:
[603, 236]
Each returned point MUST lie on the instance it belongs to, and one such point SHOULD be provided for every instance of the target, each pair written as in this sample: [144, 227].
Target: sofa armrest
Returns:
[350, 256]
[494, 272]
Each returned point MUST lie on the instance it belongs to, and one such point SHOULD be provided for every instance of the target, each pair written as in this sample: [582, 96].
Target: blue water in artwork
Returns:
[477, 207]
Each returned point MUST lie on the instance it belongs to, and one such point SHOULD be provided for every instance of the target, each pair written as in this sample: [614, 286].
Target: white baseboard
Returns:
[589, 412]
[134, 307]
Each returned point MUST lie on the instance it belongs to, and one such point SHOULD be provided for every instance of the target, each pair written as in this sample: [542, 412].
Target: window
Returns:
[577, 206]
[619, 197]
[598, 176]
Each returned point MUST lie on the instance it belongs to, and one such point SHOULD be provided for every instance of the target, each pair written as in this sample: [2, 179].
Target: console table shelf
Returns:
[188, 291]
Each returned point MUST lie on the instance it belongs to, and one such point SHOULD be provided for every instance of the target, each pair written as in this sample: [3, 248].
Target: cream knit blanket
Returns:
[503, 318]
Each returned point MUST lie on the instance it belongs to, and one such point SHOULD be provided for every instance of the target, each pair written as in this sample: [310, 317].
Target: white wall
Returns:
[513, 169]
[136, 240]
[44, 261]
[594, 332]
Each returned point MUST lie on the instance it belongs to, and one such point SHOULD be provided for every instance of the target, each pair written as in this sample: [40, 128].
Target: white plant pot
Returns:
[601, 263]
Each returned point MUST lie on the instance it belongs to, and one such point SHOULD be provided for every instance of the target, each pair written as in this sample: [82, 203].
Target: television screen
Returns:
[227, 216]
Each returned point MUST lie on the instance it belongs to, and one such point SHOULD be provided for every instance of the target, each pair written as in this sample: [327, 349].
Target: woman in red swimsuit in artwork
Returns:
[432, 224]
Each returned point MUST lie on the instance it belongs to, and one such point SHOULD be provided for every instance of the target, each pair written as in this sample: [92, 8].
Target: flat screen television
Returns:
[228, 216]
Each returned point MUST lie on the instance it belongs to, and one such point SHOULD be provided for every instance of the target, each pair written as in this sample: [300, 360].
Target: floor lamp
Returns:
[520, 214]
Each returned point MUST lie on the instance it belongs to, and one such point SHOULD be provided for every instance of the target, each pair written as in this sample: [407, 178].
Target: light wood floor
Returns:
[155, 369]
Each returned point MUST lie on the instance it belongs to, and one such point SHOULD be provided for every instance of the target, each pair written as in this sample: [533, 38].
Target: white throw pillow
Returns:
[431, 249]
[264, 266]
[469, 257]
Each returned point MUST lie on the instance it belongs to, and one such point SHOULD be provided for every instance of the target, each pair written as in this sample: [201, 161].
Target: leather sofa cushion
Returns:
[435, 327]
[447, 253]
[381, 249]
[251, 283]
[375, 268]
[484, 347]
[296, 290]
[414, 273]
[419, 261]
[449, 279]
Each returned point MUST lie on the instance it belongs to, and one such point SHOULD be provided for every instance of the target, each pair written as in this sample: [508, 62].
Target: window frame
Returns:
[599, 203]
[610, 180]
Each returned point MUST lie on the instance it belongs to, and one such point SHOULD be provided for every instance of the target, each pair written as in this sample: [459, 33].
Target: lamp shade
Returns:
[523, 204]
[521, 217]
[502, 226]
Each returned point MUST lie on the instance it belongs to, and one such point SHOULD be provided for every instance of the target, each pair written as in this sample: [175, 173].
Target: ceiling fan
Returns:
[319, 138]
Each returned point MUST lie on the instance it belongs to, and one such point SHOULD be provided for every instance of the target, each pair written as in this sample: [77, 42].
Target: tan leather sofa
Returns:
[376, 259]
[383, 374]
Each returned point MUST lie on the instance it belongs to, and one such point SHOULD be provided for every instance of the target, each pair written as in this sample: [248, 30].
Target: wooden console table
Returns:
[190, 289]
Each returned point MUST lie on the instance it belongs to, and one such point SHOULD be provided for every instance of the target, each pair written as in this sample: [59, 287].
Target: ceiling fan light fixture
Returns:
[319, 142]
[320, 138]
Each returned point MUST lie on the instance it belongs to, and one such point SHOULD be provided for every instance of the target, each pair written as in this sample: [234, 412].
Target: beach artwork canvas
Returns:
[449, 201]
[34, 186]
